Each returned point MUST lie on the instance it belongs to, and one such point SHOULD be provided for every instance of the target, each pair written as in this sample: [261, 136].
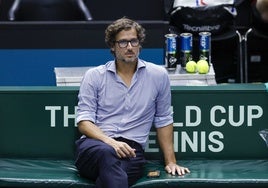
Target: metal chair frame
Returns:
[15, 6]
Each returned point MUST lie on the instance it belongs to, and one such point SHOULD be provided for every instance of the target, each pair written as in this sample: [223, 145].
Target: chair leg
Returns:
[241, 64]
[13, 10]
[85, 10]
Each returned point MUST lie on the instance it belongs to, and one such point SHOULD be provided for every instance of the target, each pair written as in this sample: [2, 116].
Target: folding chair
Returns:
[48, 10]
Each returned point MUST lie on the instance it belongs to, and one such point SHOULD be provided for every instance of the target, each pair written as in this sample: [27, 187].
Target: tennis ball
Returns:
[202, 66]
[191, 66]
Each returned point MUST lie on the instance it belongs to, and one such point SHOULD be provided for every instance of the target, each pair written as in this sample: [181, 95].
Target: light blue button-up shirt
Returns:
[121, 111]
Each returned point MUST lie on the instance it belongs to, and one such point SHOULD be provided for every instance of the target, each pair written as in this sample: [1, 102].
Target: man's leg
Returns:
[133, 166]
[99, 162]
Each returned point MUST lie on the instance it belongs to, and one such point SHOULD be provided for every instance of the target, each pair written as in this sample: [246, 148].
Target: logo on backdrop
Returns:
[218, 116]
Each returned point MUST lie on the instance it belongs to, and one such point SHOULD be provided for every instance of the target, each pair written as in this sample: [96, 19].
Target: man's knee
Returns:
[107, 156]
[106, 150]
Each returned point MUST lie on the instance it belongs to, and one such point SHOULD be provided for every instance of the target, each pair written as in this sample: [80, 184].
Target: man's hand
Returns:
[122, 149]
[173, 168]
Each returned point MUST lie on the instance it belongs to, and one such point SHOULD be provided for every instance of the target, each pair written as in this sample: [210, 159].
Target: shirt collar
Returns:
[111, 65]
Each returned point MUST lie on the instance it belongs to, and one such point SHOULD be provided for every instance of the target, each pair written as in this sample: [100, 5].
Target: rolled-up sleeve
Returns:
[87, 99]
[163, 115]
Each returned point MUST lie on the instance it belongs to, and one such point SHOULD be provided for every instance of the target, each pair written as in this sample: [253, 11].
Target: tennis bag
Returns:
[212, 16]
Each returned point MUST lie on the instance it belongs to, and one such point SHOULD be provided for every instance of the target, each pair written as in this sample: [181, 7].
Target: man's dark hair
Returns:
[123, 24]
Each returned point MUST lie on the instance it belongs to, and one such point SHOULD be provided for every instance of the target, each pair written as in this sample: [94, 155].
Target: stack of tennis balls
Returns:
[201, 66]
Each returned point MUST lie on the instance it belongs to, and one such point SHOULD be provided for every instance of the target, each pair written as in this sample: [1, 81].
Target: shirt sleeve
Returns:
[163, 115]
[87, 98]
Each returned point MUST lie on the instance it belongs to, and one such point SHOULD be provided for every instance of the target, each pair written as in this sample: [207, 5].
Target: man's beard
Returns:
[133, 59]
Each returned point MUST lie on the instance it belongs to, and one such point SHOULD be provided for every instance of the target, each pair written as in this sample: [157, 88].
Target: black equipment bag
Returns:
[212, 18]
[215, 19]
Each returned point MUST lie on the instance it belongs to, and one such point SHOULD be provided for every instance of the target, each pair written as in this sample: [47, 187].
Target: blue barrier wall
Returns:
[35, 67]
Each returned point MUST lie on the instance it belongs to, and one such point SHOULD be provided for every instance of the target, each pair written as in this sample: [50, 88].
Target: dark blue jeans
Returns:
[98, 161]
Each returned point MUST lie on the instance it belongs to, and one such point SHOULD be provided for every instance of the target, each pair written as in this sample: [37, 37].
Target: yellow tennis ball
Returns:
[191, 66]
[202, 66]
